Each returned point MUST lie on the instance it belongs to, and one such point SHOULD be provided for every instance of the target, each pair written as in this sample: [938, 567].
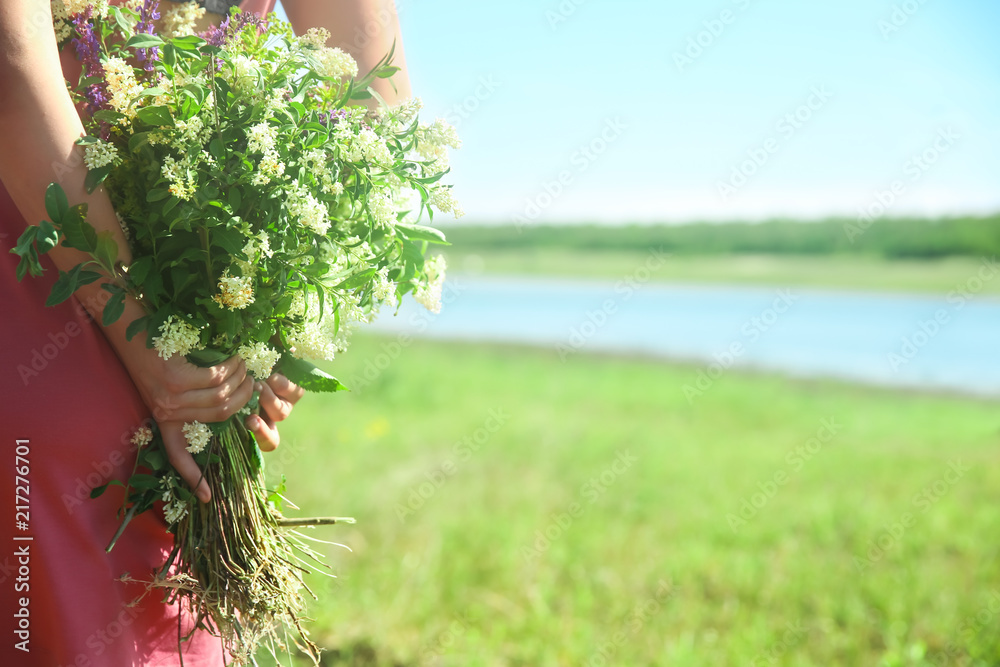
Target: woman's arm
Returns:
[366, 29]
[38, 129]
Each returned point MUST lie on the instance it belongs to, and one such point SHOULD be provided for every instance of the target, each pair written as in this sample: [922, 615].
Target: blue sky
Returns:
[633, 110]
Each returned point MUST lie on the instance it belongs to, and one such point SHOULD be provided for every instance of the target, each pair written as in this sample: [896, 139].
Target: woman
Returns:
[74, 392]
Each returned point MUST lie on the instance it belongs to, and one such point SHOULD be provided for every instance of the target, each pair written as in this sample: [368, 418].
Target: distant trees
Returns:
[891, 238]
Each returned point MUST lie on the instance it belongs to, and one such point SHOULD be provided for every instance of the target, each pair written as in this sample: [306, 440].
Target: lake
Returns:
[939, 342]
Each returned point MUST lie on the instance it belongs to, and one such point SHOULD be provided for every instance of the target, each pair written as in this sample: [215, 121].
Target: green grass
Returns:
[648, 568]
[835, 271]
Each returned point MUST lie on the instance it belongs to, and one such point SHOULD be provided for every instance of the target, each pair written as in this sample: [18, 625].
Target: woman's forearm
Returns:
[366, 29]
[39, 126]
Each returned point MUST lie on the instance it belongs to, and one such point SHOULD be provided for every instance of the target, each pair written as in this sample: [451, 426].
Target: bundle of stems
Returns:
[237, 563]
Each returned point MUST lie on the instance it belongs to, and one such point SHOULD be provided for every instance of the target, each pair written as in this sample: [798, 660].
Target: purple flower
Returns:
[232, 24]
[88, 49]
[148, 13]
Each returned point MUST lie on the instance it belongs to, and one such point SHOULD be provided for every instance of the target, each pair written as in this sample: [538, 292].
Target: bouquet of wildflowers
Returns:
[267, 214]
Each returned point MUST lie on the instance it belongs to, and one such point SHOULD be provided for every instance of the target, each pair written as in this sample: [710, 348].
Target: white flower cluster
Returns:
[309, 211]
[429, 294]
[182, 21]
[181, 184]
[443, 200]
[317, 163]
[321, 339]
[120, 79]
[243, 76]
[142, 436]
[100, 154]
[260, 359]
[261, 139]
[315, 38]
[335, 63]
[383, 289]
[368, 146]
[382, 209]
[191, 131]
[175, 510]
[176, 337]
[399, 116]
[235, 292]
[198, 435]
[433, 142]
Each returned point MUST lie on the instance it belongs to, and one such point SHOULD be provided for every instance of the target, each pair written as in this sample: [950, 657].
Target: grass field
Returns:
[836, 271]
[516, 510]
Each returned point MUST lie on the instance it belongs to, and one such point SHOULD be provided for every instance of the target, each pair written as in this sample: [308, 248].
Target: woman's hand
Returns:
[277, 397]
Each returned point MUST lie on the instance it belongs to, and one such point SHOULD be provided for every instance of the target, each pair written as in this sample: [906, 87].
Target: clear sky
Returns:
[650, 110]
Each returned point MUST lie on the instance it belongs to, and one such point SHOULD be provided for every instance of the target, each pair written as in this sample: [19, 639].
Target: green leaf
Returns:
[56, 204]
[69, 282]
[188, 42]
[106, 115]
[123, 23]
[46, 237]
[139, 269]
[137, 325]
[98, 490]
[157, 195]
[114, 308]
[421, 233]
[107, 250]
[154, 459]
[79, 233]
[95, 177]
[230, 240]
[386, 72]
[306, 375]
[158, 115]
[136, 140]
[206, 358]
[143, 41]
[357, 280]
[141, 481]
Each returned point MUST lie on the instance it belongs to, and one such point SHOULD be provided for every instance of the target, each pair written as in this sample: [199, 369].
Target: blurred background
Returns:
[715, 380]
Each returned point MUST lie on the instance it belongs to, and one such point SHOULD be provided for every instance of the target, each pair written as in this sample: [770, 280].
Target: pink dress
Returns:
[68, 410]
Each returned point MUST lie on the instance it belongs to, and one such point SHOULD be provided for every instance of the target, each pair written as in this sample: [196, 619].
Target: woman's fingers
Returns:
[285, 388]
[277, 396]
[265, 431]
[182, 461]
